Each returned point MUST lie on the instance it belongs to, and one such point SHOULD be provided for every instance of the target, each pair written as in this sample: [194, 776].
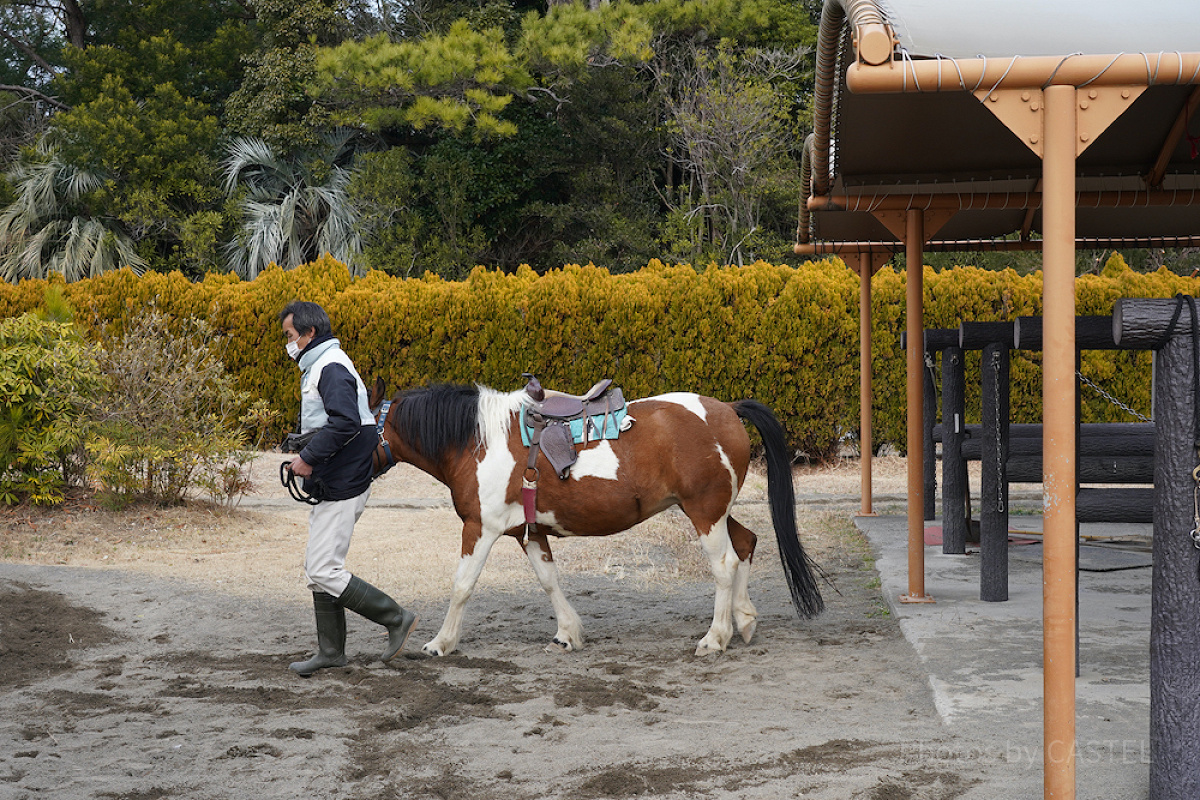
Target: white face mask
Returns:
[293, 350]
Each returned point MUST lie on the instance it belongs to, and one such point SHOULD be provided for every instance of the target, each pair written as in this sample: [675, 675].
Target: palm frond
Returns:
[43, 229]
[288, 214]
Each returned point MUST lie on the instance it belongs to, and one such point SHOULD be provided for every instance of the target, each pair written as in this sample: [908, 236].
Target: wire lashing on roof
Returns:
[909, 72]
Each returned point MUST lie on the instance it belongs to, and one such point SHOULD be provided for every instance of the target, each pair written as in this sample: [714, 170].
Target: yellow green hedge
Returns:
[785, 336]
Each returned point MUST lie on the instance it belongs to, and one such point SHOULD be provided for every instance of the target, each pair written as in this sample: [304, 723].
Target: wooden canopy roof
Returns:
[933, 105]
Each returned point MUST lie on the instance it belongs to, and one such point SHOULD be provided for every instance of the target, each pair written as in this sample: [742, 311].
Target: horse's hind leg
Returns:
[745, 615]
[724, 562]
[570, 627]
[476, 546]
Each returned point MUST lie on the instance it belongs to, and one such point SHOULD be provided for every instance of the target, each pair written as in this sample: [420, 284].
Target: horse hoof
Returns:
[432, 650]
[563, 647]
[748, 631]
[704, 649]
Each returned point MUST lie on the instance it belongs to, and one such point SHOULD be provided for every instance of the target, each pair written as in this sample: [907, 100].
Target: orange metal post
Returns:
[915, 359]
[865, 392]
[1058, 410]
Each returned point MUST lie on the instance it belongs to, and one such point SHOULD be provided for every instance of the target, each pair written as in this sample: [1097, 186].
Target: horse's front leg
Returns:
[570, 627]
[476, 544]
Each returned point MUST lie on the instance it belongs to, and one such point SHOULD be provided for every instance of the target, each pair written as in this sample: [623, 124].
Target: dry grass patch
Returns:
[411, 551]
[84, 535]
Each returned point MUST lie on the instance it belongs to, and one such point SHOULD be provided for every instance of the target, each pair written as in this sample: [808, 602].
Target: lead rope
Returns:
[288, 479]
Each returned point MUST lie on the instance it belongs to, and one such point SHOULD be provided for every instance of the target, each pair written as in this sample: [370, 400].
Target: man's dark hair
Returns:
[307, 316]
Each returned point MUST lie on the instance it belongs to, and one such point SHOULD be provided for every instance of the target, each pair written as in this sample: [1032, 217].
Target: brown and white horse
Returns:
[681, 450]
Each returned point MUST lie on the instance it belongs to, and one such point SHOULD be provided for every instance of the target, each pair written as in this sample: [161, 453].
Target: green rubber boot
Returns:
[331, 637]
[363, 598]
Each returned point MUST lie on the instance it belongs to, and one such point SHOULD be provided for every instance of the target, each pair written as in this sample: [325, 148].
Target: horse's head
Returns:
[375, 397]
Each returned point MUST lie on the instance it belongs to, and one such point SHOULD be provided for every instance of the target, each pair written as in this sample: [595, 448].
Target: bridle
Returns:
[382, 459]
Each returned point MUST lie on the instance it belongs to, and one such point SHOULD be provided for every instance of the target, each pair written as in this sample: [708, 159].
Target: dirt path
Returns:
[143, 655]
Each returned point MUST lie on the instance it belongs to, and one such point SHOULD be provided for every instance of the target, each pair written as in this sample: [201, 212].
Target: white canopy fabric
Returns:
[1006, 28]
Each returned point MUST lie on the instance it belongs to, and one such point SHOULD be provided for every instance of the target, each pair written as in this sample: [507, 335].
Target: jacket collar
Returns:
[316, 348]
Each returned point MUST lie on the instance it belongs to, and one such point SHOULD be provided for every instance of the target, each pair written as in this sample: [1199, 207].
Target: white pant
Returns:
[330, 525]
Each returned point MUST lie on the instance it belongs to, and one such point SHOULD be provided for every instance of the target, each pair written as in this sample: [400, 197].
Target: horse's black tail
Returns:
[781, 496]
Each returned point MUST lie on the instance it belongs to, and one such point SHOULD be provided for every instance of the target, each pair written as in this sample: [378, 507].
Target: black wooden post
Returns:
[936, 340]
[1175, 593]
[954, 467]
[996, 339]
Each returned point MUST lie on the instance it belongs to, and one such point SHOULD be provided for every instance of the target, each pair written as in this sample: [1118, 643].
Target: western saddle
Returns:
[549, 419]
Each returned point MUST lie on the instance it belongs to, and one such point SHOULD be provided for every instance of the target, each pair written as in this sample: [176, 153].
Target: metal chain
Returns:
[1195, 534]
[1088, 382]
[1001, 482]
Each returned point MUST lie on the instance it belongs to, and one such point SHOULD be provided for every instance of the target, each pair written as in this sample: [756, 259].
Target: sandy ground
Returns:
[143, 655]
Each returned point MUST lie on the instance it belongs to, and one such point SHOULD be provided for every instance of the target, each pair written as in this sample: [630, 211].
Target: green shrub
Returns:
[171, 418]
[47, 372]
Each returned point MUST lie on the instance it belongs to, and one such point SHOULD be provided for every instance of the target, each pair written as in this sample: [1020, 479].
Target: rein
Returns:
[288, 479]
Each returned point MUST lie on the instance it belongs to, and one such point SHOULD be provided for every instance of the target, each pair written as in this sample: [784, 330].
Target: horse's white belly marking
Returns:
[688, 400]
[596, 462]
[547, 519]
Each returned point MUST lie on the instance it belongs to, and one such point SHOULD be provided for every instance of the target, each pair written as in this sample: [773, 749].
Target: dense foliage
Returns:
[196, 137]
[473, 132]
[47, 374]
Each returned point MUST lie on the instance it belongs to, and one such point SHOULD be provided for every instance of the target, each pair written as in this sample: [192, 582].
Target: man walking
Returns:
[336, 467]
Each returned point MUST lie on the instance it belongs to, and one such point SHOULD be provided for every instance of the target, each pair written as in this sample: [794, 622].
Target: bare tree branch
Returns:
[35, 94]
[560, 101]
[29, 52]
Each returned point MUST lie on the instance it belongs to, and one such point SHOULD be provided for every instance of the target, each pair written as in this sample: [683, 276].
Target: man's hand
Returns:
[300, 468]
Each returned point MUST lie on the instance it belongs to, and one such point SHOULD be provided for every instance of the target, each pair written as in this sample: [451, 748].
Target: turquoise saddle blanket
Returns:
[597, 427]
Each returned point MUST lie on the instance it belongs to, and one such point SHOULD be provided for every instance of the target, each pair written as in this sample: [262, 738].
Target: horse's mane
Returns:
[438, 420]
[449, 418]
